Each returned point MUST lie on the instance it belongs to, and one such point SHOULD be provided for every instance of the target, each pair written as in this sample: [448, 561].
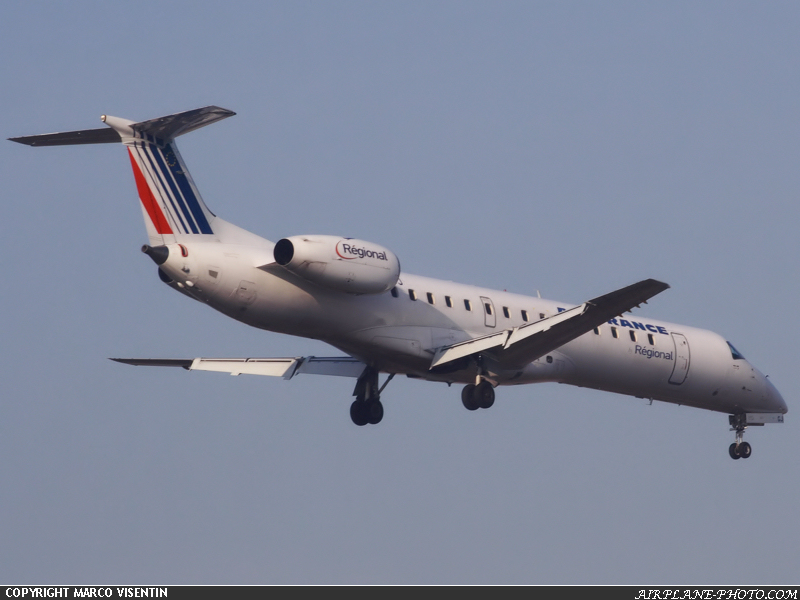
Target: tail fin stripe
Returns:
[170, 156]
[167, 201]
[170, 175]
[170, 190]
[148, 200]
[170, 201]
[174, 193]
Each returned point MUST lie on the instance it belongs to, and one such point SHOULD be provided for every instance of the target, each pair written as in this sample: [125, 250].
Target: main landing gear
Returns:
[367, 407]
[480, 395]
[739, 449]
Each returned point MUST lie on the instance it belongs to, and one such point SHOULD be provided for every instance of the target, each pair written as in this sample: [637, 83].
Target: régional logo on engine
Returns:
[350, 251]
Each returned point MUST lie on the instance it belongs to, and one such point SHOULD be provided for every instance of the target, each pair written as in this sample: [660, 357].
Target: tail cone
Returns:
[159, 254]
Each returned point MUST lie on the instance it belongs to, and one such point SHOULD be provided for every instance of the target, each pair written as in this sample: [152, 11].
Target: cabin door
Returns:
[681, 368]
[490, 319]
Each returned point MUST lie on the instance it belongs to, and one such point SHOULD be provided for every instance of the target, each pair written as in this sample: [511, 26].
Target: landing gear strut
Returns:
[739, 449]
[367, 407]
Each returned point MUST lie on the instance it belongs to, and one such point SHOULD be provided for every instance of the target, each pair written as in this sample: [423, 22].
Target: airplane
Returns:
[352, 294]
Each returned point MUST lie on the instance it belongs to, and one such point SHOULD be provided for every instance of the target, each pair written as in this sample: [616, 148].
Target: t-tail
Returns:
[172, 207]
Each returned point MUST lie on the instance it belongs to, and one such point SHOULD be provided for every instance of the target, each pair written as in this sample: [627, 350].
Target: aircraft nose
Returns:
[775, 400]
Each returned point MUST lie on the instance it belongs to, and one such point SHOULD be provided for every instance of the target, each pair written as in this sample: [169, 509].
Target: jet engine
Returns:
[347, 265]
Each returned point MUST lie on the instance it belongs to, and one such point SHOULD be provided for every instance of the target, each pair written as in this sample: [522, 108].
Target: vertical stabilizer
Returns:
[171, 204]
[172, 207]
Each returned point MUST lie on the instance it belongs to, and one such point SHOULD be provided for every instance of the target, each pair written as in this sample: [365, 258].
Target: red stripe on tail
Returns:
[148, 200]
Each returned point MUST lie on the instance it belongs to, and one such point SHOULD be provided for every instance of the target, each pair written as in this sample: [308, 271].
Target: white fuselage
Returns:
[352, 294]
[398, 330]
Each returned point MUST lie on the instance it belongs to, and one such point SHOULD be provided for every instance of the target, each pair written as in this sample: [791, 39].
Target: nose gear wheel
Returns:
[739, 448]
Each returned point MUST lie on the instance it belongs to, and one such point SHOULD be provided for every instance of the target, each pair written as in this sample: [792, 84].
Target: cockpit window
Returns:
[735, 353]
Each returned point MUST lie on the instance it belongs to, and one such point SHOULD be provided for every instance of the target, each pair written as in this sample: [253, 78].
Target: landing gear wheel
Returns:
[740, 448]
[359, 414]
[468, 398]
[484, 394]
[374, 411]
[367, 407]
[744, 450]
[733, 452]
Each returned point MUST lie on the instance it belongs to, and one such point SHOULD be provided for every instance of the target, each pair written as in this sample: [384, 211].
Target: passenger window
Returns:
[505, 312]
[412, 294]
[651, 339]
[525, 315]
[467, 305]
[430, 298]
[541, 315]
[488, 308]
[597, 331]
[448, 301]
[614, 333]
[633, 335]
[394, 292]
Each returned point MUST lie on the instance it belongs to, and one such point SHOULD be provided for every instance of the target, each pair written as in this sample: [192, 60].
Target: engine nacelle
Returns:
[343, 264]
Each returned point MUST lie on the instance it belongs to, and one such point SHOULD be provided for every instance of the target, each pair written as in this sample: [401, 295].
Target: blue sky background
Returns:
[565, 147]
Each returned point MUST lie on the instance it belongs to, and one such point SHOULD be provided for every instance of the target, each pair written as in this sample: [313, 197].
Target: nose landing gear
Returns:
[739, 448]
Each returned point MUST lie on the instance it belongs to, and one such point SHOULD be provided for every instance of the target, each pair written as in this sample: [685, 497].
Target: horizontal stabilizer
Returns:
[341, 366]
[71, 138]
[163, 129]
[171, 126]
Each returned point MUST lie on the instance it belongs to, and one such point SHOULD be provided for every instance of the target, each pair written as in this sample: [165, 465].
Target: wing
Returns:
[516, 347]
[344, 366]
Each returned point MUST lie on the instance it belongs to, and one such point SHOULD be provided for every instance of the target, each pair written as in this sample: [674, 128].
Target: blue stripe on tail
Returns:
[162, 186]
[186, 189]
[170, 182]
